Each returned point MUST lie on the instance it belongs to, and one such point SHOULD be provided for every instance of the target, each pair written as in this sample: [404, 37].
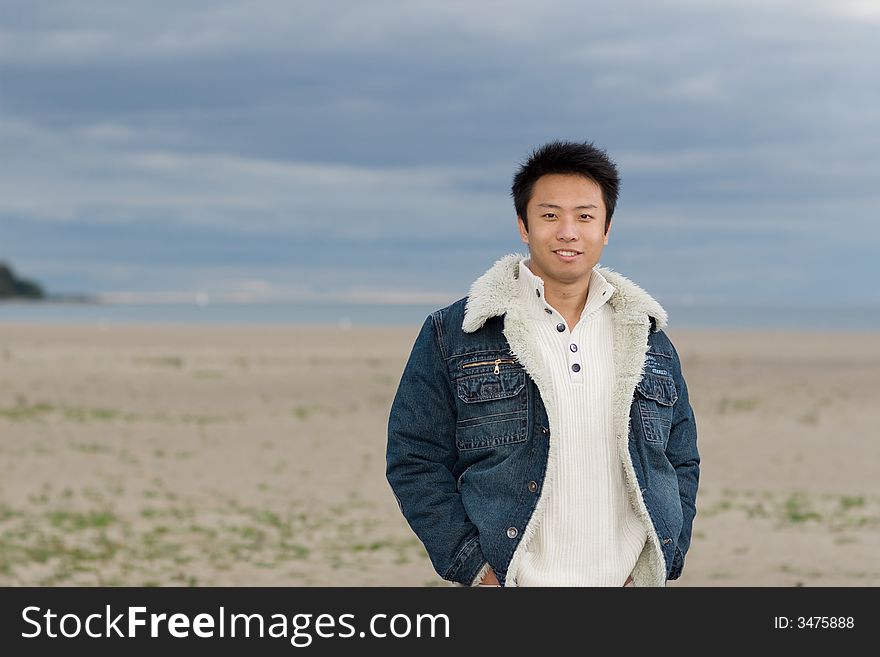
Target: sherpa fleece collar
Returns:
[493, 293]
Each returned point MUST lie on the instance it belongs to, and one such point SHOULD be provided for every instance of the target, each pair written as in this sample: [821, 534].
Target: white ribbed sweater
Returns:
[589, 534]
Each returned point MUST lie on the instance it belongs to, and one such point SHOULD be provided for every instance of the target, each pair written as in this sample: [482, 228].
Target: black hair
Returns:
[566, 157]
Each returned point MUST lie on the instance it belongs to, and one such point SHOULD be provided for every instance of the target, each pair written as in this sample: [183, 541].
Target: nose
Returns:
[566, 231]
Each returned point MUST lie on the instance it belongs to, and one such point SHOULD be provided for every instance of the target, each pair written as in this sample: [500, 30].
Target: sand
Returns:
[212, 456]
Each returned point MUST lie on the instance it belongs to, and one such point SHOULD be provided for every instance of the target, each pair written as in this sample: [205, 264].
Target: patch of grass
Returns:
[716, 508]
[797, 509]
[756, 509]
[7, 512]
[39, 498]
[721, 574]
[90, 448]
[202, 420]
[128, 457]
[154, 548]
[208, 374]
[786, 568]
[269, 518]
[24, 412]
[845, 540]
[738, 404]
[836, 512]
[810, 418]
[252, 534]
[848, 502]
[208, 532]
[304, 411]
[294, 551]
[93, 494]
[162, 361]
[54, 544]
[87, 414]
[79, 520]
[372, 547]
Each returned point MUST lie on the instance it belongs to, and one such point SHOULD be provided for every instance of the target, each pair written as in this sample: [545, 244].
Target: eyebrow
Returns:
[559, 207]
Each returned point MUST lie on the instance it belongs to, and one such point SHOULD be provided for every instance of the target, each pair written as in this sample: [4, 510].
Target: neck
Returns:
[569, 299]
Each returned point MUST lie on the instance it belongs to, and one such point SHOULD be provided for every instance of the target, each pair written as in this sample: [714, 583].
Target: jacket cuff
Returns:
[469, 562]
[481, 574]
[677, 564]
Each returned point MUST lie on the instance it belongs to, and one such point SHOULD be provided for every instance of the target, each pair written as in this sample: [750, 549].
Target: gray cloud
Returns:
[742, 129]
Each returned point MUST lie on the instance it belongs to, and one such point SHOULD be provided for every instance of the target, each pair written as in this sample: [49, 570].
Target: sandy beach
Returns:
[139, 455]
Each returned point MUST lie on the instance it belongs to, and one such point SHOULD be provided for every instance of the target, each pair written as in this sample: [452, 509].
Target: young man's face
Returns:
[566, 214]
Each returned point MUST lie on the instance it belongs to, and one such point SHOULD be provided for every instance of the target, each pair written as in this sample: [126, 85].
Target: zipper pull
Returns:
[497, 368]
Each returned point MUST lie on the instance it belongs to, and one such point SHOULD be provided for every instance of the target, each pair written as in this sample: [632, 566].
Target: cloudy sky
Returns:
[287, 149]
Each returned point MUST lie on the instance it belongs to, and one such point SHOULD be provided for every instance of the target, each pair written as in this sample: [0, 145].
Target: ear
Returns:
[523, 233]
[607, 232]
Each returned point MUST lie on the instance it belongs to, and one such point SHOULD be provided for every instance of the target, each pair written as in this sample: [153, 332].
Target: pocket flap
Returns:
[486, 387]
[659, 388]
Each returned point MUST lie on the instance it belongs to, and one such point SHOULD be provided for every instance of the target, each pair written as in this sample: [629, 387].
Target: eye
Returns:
[586, 216]
[549, 214]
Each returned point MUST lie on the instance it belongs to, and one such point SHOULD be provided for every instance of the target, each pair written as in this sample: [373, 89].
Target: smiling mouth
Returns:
[566, 253]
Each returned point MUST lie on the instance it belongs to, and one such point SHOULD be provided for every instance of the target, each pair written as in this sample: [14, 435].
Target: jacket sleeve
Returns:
[421, 454]
[681, 450]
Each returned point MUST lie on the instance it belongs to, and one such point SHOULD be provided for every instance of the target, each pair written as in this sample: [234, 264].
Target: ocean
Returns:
[853, 317]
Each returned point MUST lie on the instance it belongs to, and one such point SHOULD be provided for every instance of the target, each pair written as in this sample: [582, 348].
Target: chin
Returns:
[570, 275]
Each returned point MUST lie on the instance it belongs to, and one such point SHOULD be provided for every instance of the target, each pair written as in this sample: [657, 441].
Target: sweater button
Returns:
[560, 327]
[511, 532]
[533, 486]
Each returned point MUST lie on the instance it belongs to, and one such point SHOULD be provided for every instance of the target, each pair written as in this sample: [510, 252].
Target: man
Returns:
[541, 434]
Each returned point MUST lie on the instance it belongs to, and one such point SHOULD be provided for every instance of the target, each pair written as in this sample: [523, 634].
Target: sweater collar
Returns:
[533, 294]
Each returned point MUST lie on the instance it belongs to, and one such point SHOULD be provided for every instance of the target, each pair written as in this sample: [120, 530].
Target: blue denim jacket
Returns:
[470, 446]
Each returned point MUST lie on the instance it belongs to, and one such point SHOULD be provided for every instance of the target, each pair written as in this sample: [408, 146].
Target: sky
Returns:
[352, 150]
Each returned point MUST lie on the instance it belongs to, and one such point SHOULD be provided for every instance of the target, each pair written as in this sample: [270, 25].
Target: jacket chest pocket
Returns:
[492, 404]
[656, 395]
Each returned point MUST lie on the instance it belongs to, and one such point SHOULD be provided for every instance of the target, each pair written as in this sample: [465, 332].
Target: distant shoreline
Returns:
[73, 310]
[54, 298]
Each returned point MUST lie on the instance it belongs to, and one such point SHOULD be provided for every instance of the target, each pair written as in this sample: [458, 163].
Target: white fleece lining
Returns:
[481, 574]
[495, 293]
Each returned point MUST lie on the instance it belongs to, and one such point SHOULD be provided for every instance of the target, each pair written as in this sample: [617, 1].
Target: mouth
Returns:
[567, 254]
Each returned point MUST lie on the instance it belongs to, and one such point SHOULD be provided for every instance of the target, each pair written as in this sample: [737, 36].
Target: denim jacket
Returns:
[471, 455]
